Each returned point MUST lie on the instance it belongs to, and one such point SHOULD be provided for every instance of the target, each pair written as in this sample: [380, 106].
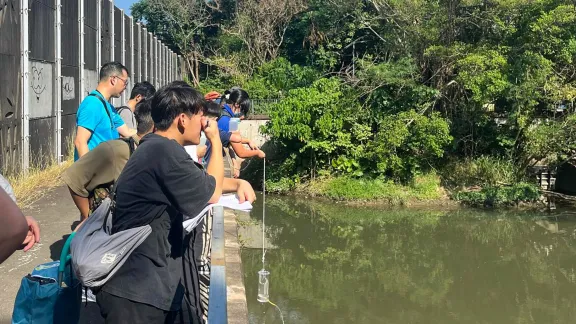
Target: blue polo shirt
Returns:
[92, 116]
[224, 121]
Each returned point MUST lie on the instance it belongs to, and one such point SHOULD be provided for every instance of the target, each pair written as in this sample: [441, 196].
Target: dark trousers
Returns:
[116, 310]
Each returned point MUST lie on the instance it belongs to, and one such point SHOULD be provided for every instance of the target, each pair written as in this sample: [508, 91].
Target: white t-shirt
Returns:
[191, 150]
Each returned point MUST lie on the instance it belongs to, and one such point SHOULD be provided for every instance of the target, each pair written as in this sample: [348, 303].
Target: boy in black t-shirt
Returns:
[158, 185]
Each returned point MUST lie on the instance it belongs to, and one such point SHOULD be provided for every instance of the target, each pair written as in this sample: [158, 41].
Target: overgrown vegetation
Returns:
[386, 91]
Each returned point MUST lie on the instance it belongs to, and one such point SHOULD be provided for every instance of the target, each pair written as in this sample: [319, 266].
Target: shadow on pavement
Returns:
[56, 248]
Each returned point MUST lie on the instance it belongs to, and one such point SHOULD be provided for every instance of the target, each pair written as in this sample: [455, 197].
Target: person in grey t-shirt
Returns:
[141, 91]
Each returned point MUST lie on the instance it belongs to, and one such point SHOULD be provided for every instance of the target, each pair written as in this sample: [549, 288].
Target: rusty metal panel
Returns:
[70, 40]
[106, 33]
[42, 31]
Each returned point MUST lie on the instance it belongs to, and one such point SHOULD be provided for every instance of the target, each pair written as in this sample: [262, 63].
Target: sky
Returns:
[125, 4]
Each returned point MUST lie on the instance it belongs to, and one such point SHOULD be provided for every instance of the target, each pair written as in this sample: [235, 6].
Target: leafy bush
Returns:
[500, 196]
[425, 187]
[482, 171]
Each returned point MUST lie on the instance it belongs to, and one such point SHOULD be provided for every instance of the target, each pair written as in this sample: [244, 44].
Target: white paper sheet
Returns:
[228, 201]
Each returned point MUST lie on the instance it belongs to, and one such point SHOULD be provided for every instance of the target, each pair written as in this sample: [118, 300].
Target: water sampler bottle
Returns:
[234, 124]
[263, 285]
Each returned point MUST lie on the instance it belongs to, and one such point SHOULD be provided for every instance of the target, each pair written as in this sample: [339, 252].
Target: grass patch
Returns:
[425, 187]
[494, 196]
[29, 187]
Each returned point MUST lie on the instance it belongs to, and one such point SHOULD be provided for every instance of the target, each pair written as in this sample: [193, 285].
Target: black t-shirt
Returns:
[224, 138]
[159, 184]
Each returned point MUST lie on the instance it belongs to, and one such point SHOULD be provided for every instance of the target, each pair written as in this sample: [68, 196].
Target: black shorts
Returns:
[116, 310]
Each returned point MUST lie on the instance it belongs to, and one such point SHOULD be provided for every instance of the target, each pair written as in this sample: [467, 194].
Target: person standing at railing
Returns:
[159, 184]
[96, 119]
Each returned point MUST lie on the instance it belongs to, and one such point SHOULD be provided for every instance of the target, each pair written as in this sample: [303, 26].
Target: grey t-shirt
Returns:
[4, 184]
[127, 116]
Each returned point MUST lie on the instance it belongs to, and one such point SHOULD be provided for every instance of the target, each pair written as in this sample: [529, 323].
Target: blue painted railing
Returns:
[217, 302]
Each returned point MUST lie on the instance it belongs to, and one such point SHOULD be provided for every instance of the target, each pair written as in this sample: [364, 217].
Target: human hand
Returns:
[210, 128]
[236, 173]
[261, 154]
[245, 192]
[33, 235]
[253, 145]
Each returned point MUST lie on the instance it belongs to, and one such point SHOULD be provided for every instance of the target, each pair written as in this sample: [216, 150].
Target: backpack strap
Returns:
[105, 108]
[225, 113]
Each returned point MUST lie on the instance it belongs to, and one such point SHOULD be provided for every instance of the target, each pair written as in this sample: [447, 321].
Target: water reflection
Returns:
[336, 264]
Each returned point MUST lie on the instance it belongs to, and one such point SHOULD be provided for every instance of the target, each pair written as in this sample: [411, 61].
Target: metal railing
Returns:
[261, 106]
[217, 302]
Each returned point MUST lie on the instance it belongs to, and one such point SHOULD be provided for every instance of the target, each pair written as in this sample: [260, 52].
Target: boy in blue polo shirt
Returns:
[96, 119]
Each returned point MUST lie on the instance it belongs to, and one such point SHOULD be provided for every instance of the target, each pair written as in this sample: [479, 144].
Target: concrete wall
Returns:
[250, 128]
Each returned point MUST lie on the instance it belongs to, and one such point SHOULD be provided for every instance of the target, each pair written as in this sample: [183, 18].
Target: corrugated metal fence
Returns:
[50, 52]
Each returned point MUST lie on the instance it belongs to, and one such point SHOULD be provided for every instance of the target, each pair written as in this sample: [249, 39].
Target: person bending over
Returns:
[90, 179]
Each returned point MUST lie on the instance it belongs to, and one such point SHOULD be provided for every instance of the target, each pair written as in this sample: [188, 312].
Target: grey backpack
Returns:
[96, 253]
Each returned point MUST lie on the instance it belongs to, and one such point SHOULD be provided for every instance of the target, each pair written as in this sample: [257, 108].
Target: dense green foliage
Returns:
[392, 89]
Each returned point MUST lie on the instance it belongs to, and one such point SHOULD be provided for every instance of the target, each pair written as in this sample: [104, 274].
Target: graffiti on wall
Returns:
[42, 94]
[68, 88]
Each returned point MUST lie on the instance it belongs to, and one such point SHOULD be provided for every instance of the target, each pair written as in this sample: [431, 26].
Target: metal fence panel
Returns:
[137, 61]
[39, 93]
[118, 35]
[10, 87]
[150, 57]
[70, 43]
[41, 24]
[90, 36]
[90, 13]
[106, 32]
[128, 46]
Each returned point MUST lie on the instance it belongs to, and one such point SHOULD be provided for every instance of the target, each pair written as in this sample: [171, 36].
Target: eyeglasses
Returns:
[123, 81]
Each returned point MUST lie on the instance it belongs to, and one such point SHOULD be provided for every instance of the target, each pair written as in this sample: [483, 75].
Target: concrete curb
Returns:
[235, 290]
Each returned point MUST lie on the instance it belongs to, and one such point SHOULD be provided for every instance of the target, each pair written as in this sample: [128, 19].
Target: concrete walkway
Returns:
[55, 212]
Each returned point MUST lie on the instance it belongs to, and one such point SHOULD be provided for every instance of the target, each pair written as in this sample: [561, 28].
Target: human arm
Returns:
[14, 227]
[215, 166]
[242, 188]
[33, 235]
[81, 140]
[244, 153]
[201, 151]
[124, 131]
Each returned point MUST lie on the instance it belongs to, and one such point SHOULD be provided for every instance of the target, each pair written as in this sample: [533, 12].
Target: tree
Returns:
[180, 23]
[261, 25]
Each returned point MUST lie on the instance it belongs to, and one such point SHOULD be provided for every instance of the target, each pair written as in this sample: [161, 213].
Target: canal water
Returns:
[331, 263]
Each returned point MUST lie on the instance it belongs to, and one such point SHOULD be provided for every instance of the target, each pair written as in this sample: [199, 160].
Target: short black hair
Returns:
[143, 116]
[238, 96]
[212, 109]
[111, 69]
[144, 88]
[172, 100]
